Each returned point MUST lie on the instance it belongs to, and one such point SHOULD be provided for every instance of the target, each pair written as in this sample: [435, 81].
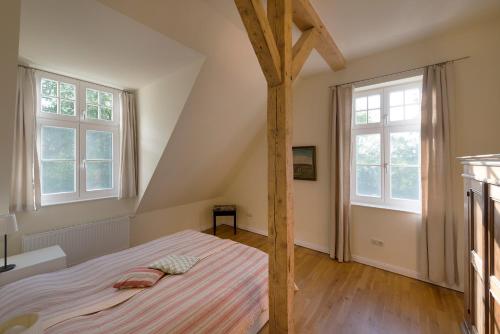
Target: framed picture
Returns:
[304, 163]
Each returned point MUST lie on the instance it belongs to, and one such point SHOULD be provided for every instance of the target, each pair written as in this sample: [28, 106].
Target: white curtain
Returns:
[340, 160]
[129, 152]
[438, 254]
[25, 183]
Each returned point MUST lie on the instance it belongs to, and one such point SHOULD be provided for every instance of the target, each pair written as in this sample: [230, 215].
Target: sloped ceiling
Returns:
[90, 41]
[224, 111]
[160, 104]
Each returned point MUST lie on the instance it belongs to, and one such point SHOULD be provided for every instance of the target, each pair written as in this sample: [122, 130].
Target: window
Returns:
[386, 145]
[78, 139]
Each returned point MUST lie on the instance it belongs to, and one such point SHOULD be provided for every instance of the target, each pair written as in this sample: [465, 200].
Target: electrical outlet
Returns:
[377, 242]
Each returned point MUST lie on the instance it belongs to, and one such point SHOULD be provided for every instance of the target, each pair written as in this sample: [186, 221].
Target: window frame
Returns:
[58, 117]
[49, 199]
[402, 204]
[102, 193]
[388, 90]
[354, 196]
[367, 93]
[81, 124]
[385, 127]
[83, 104]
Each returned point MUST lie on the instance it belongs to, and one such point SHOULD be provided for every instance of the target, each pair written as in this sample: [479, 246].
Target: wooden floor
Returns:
[353, 298]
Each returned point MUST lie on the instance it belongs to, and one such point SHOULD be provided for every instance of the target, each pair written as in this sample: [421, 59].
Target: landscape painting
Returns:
[304, 163]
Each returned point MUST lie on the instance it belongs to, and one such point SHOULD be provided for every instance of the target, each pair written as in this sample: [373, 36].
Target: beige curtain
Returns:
[340, 160]
[129, 151]
[438, 261]
[25, 181]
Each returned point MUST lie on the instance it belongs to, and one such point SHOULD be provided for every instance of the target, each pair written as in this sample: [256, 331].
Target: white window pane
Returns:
[68, 107]
[361, 103]
[368, 181]
[374, 116]
[361, 117]
[396, 99]
[99, 175]
[412, 111]
[99, 145]
[412, 96]
[49, 104]
[58, 143]
[405, 148]
[405, 183]
[106, 113]
[374, 102]
[368, 149]
[57, 176]
[92, 96]
[49, 87]
[105, 99]
[396, 114]
[92, 111]
[68, 91]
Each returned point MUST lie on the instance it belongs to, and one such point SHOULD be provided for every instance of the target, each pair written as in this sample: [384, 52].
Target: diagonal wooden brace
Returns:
[254, 18]
[305, 18]
[302, 49]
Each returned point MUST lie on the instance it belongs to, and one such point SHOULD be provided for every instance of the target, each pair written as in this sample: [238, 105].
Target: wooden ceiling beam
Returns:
[305, 18]
[302, 49]
[257, 26]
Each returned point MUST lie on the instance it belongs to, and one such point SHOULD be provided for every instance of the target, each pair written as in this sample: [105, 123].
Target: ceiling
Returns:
[219, 119]
[361, 27]
[90, 41]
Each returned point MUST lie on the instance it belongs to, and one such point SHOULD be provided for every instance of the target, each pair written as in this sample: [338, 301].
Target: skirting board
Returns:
[301, 243]
[369, 262]
[398, 270]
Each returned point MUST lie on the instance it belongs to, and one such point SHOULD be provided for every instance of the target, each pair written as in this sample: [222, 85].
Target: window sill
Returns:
[78, 201]
[387, 207]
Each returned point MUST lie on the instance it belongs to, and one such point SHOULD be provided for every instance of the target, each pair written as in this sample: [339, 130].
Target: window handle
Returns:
[84, 163]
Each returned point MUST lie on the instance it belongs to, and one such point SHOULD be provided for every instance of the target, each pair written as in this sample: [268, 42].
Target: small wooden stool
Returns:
[224, 210]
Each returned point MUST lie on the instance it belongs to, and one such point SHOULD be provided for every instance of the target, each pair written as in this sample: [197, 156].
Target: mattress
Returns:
[226, 292]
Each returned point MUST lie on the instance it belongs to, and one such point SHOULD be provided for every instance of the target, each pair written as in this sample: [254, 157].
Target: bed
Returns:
[226, 292]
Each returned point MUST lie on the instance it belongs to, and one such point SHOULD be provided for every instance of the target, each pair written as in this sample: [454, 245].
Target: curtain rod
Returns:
[400, 72]
[91, 82]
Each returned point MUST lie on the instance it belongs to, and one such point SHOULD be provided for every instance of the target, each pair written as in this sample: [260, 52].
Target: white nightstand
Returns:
[32, 263]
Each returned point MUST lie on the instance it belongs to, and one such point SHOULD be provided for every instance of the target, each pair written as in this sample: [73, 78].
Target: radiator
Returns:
[83, 242]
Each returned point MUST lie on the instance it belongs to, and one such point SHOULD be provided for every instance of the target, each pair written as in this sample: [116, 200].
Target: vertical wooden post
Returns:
[271, 39]
[280, 175]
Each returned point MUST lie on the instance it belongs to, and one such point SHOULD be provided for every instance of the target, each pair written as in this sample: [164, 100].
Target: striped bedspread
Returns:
[226, 292]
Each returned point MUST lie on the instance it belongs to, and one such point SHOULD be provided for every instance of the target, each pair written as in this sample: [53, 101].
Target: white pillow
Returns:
[175, 264]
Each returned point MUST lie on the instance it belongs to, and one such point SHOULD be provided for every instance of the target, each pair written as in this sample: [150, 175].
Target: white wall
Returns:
[159, 106]
[10, 13]
[220, 118]
[155, 224]
[476, 120]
